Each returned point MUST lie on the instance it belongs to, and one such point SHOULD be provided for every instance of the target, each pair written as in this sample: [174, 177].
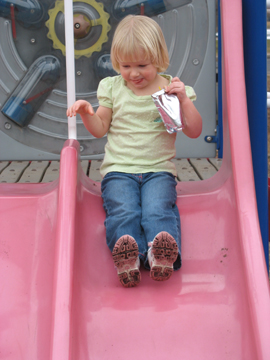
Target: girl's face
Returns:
[139, 75]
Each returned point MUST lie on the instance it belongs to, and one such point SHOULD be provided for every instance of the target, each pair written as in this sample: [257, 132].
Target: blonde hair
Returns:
[136, 35]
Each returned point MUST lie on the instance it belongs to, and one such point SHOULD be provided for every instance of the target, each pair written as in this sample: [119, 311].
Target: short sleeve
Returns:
[104, 92]
[191, 93]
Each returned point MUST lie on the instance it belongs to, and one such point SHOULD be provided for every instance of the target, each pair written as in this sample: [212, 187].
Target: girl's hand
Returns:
[193, 119]
[81, 107]
[177, 87]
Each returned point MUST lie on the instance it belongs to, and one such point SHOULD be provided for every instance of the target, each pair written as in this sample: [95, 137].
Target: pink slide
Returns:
[60, 298]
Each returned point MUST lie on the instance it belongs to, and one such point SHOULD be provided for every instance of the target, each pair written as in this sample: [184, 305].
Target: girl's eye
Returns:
[142, 66]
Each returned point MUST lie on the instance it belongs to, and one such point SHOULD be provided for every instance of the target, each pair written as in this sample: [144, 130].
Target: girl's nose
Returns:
[134, 73]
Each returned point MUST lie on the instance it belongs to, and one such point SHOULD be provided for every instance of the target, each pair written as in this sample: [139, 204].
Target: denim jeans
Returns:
[141, 205]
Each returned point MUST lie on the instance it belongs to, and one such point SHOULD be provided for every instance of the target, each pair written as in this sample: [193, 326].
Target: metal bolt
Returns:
[81, 148]
[32, 41]
[196, 62]
[77, 26]
[8, 126]
[79, 73]
[209, 138]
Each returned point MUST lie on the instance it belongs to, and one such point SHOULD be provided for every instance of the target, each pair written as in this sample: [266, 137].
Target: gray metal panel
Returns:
[190, 35]
[205, 88]
[191, 42]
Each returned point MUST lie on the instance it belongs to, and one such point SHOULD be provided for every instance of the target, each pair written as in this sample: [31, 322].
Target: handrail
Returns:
[70, 66]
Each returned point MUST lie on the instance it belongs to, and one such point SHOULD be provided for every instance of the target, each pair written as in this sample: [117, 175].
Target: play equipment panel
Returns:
[33, 92]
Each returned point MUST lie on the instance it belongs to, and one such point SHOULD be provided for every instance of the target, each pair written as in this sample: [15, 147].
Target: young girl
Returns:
[138, 187]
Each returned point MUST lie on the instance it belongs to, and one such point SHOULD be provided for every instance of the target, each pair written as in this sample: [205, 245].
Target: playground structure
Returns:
[60, 296]
[33, 89]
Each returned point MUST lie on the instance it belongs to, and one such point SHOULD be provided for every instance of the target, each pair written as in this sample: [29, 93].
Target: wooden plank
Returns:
[44, 171]
[34, 172]
[203, 167]
[216, 162]
[3, 165]
[85, 166]
[94, 173]
[13, 172]
[185, 172]
[52, 172]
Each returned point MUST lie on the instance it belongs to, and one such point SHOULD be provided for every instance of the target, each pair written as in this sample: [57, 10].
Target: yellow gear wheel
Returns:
[101, 21]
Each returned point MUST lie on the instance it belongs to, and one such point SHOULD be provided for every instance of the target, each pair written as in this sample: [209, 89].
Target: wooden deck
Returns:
[48, 171]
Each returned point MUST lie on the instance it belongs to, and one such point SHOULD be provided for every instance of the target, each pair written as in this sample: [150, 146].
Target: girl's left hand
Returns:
[177, 87]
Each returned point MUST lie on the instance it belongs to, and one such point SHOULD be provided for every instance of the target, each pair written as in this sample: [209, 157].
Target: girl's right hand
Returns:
[80, 107]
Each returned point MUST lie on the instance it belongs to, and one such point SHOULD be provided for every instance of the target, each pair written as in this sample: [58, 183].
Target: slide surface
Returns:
[60, 297]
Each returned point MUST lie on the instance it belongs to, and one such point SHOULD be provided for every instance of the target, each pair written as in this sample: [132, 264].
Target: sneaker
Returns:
[162, 253]
[126, 259]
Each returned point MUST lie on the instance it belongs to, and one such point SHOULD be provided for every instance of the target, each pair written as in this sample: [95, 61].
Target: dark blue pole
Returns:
[255, 57]
[220, 116]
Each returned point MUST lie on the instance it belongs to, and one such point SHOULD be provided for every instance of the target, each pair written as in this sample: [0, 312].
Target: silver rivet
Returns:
[196, 62]
[81, 148]
[209, 138]
[79, 73]
[8, 126]
[32, 41]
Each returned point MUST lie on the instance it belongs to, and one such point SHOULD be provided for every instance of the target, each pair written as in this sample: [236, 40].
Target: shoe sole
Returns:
[165, 252]
[125, 254]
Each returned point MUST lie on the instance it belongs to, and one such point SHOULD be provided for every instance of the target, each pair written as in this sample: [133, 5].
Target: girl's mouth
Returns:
[137, 82]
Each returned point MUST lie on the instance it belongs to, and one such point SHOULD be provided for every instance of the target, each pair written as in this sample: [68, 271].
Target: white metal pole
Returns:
[70, 66]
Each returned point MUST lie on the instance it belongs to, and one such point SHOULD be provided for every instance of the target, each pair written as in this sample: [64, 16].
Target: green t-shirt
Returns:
[137, 140]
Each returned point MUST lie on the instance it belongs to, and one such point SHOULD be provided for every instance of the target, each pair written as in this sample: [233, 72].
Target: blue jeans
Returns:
[141, 205]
